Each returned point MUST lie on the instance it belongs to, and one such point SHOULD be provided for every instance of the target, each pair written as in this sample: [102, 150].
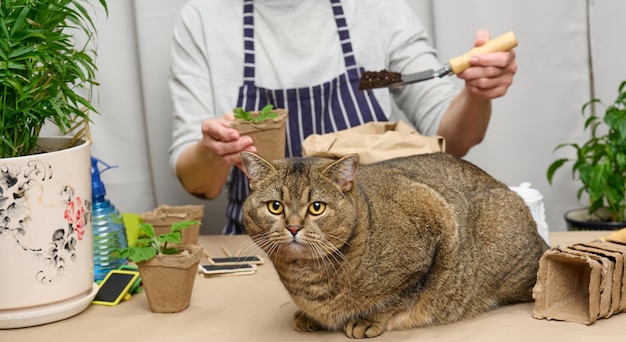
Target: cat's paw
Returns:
[362, 328]
[303, 323]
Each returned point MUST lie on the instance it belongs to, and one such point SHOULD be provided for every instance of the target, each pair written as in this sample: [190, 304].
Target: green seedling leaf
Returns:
[147, 247]
[173, 237]
[179, 226]
[137, 254]
[146, 229]
[267, 109]
[170, 251]
[265, 114]
[241, 114]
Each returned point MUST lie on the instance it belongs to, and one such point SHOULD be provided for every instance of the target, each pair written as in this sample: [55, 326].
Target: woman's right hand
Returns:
[225, 142]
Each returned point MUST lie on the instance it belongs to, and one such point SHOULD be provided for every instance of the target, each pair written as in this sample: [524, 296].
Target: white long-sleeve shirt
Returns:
[296, 45]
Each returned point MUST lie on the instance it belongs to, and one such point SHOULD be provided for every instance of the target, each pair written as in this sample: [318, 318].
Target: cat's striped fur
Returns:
[408, 242]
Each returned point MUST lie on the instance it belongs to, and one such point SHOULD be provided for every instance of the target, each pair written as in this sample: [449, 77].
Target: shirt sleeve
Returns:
[410, 50]
[189, 82]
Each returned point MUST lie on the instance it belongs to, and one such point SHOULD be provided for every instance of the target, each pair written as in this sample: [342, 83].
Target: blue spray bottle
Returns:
[109, 232]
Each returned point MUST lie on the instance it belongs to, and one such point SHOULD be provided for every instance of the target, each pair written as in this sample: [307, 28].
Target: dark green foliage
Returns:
[600, 163]
[44, 75]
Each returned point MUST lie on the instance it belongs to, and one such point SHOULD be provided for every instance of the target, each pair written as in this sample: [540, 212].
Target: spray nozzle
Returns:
[97, 187]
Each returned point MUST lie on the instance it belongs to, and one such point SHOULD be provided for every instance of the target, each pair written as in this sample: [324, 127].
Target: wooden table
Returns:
[258, 308]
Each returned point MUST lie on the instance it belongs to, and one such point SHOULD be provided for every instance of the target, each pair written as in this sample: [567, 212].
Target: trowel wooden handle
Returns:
[501, 43]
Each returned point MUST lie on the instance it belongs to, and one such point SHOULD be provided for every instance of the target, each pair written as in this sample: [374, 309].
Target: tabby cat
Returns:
[408, 242]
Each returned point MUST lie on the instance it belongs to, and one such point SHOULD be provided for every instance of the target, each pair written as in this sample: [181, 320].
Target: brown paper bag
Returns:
[373, 142]
[268, 136]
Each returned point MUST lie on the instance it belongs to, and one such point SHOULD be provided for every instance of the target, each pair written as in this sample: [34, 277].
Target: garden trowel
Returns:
[456, 65]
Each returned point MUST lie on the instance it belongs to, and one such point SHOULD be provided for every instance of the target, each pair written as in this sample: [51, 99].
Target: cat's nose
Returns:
[294, 229]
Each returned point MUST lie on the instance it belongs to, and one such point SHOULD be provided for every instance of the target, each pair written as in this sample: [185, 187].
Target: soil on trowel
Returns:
[378, 79]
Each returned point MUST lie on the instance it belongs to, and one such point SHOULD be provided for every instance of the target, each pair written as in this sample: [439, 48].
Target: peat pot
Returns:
[164, 216]
[168, 279]
[46, 247]
[268, 135]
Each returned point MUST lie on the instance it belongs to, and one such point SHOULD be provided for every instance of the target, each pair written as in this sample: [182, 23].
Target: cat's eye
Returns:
[317, 208]
[275, 207]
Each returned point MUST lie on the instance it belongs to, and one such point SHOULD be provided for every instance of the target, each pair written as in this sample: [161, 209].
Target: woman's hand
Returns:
[225, 142]
[491, 74]
[203, 167]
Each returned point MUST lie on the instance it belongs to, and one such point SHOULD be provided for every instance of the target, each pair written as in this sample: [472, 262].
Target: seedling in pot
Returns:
[150, 245]
[265, 114]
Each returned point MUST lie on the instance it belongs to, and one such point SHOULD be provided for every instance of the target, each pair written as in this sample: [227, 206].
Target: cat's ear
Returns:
[343, 171]
[255, 168]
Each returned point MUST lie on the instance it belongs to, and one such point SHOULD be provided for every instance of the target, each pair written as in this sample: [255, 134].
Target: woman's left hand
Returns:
[490, 74]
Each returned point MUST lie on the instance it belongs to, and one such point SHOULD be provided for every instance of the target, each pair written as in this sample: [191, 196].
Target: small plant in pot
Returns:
[44, 76]
[600, 165]
[168, 268]
[47, 74]
[266, 128]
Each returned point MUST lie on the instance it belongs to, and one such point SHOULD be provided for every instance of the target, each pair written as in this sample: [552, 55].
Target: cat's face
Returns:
[300, 208]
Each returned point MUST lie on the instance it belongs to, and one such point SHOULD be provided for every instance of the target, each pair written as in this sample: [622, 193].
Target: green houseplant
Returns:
[47, 73]
[600, 163]
[44, 75]
[167, 267]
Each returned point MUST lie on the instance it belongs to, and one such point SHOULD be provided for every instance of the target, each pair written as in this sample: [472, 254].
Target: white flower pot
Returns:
[46, 242]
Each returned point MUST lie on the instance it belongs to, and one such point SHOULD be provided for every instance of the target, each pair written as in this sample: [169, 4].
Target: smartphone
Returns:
[236, 269]
[114, 287]
[255, 260]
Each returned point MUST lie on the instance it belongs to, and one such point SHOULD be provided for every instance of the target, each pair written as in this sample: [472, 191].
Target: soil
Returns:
[378, 79]
[54, 144]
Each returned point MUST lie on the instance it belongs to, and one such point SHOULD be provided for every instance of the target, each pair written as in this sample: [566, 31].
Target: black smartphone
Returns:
[255, 260]
[235, 269]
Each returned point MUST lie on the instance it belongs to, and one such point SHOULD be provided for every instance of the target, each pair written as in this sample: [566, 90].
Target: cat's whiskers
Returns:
[326, 253]
[343, 241]
[265, 243]
[334, 253]
[321, 259]
[260, 239]
[249, 248]
[276, 242]
[336, 250]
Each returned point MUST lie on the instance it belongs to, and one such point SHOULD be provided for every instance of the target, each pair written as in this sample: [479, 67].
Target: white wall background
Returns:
[556, 75]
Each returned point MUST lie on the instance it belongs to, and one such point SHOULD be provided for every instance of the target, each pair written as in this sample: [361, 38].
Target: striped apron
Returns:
[324, 108]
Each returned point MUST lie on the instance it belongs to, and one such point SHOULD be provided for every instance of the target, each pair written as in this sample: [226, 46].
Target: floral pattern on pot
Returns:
[16, 184]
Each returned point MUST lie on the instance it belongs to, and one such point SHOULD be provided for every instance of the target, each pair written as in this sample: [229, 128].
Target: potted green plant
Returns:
[600, 165]
[47, 72]
[44, 76]
[168, 268]
[266, 128]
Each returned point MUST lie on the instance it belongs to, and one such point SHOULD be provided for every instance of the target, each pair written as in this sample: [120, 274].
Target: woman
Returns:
[307, 56]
